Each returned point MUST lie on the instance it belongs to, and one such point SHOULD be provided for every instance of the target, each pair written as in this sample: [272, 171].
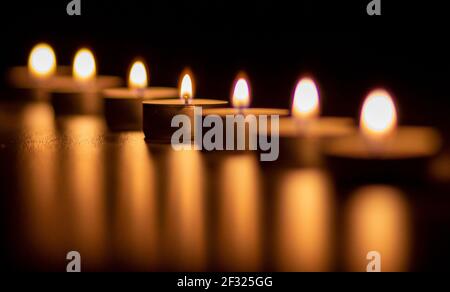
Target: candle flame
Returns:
[138, 76]
[42, 60]
[186, 88]
[378, 115]
[241, 94]
[306, 100]
[84, 67]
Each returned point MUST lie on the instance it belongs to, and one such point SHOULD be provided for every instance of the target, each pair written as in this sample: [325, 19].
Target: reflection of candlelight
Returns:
[306, 100]
[42, 61]
[239, 228]
[84, 67]
[378, 116]
[184, 217]
[83, 187]
[138, 76]
[378, 220]
[123, 106]
[186, 88]
[136, 207]
[37, 173]
[241, 94]
[304, 221]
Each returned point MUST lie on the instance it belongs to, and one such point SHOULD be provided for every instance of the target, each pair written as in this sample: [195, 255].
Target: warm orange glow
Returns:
[241, 94]
[184, 230]
[304, 220]
[378, 115]
[138, 76]
[378, 219]
[42, 61]
[84, 67]
[239, 228]
[186, 88]
[306, 100]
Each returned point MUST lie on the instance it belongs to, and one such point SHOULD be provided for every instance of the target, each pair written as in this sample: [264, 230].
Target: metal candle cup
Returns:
[381, 151]
[302, 135]
[252, 126]
[123, 106]
[158, 116]
[301, 144]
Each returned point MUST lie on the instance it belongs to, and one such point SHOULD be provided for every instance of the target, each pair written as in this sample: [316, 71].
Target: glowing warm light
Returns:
[241, 94]
[378, 218]
[42, 61]
[84, 67]
[138, 76]
[306, 100]
[186, 90]
[378, 115]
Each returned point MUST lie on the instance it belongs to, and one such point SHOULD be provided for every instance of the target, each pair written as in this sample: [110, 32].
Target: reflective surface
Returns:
[125, 205]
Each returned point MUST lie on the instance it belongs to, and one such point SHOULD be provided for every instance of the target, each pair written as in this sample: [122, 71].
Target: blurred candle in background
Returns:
[34, 81]
[79, 94]
[382, 149]
[303, 134]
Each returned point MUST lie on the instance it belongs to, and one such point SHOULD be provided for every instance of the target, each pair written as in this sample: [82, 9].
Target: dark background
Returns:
[406, 50]
[275, 42]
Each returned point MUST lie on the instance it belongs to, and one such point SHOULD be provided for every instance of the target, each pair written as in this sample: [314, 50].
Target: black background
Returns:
[275, 42]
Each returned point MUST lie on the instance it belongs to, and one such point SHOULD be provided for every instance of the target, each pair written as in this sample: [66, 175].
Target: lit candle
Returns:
[79, 93]
[305, 131]
[123, 106]
[381, 149]
[38, 77]
[243, 137]
[158, 113]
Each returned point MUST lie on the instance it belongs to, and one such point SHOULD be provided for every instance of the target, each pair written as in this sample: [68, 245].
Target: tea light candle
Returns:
[381, 149]
[79, 93]
[32, 82]
[240, 99]
[158, 113]
[123, 106]
[302, 134]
